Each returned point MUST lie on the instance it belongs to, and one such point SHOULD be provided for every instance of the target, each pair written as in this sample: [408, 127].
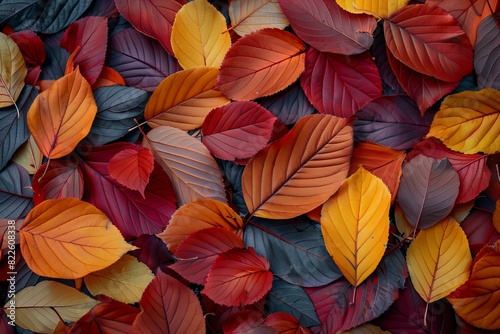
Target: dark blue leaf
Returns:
[232, 173]
[15, 192]
[55, 62]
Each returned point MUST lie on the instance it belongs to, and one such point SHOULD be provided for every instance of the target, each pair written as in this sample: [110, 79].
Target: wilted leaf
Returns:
[469, 122]
[199, 35]
[487, 53]
[59, 232]
[327, 27]
[188, 163]
[248, 16]
[378, 8]
[280, 62]
[15, 192]
[125, 280]
[183, 99]
[40, 307]
[360, 210]
[238, 277]
[287, 170]
[12, 71]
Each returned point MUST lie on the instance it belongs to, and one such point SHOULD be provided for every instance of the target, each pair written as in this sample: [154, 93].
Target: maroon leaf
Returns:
[479, 229]
[487, 53]
[246, 321]
[33, 51]
[285, 323]
[340, 85]
[91, 35]
[152, 251]
[327, 27]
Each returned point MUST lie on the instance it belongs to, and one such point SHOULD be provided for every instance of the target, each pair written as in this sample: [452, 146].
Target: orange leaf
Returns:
[300, 171]
[355, 225]
[248, 16]
[69, 238]
[12, 71]
[184, 99]
[496, 216]
[199, 215]
[280, 62]
[62, 115]
[108, 77]
[477, 300]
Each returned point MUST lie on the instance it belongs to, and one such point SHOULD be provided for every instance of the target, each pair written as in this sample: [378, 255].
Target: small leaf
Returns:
[248, 16]
[280, 63]
[487, 53]
[61, 231]
[199, 35]
[238, 277]
[469, 122]
[366, 329]
[285, 323]
[29, 156]
[40, 307]
[125, 280]
[378, 8]
[12, 71]
[496, 215]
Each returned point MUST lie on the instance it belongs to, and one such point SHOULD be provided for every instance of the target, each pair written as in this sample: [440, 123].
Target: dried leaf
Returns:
[248, 16]
[12, 71]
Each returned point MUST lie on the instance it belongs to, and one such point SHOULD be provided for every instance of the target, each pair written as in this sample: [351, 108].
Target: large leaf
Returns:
[168, 306]
[15, 192]
[410, 36]
[477, 300]
[378, 8]
[360, 209]
[487, 53]
[192, 170]
[439, 260]
[13, 129]
[469, 122]
[90, 35]
[62, 115]
[199, 35]
[352, 82]
[238, 277]
[428, 190]
[154, 18]
[132, 213]
[140, 60]
[248, 16]
[39, 308]
[238, 130]
[199, 215]
[62, 231]
[295, 249]
[287, 170]
[280, 62]
[183, 99]
[12, 71]
[340, 306]
[393, 121]
[327, 27]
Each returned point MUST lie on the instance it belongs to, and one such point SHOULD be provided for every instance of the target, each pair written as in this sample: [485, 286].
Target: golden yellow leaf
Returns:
[248, 16]
[29, 156]
[378, 8]
[402, 224]
[199, 35]
[439, 260]
[69, 238]
[469, 122]
[12, 71]
[37, 307]
[183, 99]
[125, 280]
[496, 216]
[355, 225]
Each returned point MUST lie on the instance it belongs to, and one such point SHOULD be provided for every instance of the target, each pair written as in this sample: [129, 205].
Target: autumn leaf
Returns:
[12, 71]
[378, 8]
[29, 156]
[248, 16]
[496, 215]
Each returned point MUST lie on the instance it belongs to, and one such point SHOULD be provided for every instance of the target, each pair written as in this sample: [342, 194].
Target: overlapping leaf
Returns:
[284, 323]
[377, 8]
[199, 35]
[33, 51]
[487, 53]
[496, 215]
[469, 122]
[327, 27]
[152, 251]
[183, 99]
[479, 228]
[15, 192]
[132, 168]
[249, 16]
[280, 62]
[12, 71]
[28, 156]
[285, 171]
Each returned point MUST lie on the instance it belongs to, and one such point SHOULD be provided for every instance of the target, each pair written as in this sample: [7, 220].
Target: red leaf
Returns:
[91, 35]
[238, 277]
[132, 168]
[352, 82]
[472, 170]
[154, 18]
[237, 130]
[168, 306]
[246, 321]
[151, 251]
[198, 251]
[410, 34]
[327, 27]
[479, 229]
[31, 47]
[285, 323]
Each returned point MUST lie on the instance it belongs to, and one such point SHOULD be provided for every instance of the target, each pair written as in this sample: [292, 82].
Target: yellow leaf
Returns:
[496, 216]
[469, 122]
[12, 71]
[402, 224]
[199, 35]
[248, 16]
[69, 238]
[355, 225]
[439, 260]
[29, 156]
[183, 99]
[125, 280]
[37, 307]
[378, 8]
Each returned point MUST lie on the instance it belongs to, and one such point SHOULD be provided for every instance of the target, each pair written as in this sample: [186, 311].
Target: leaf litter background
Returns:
[312, 166]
